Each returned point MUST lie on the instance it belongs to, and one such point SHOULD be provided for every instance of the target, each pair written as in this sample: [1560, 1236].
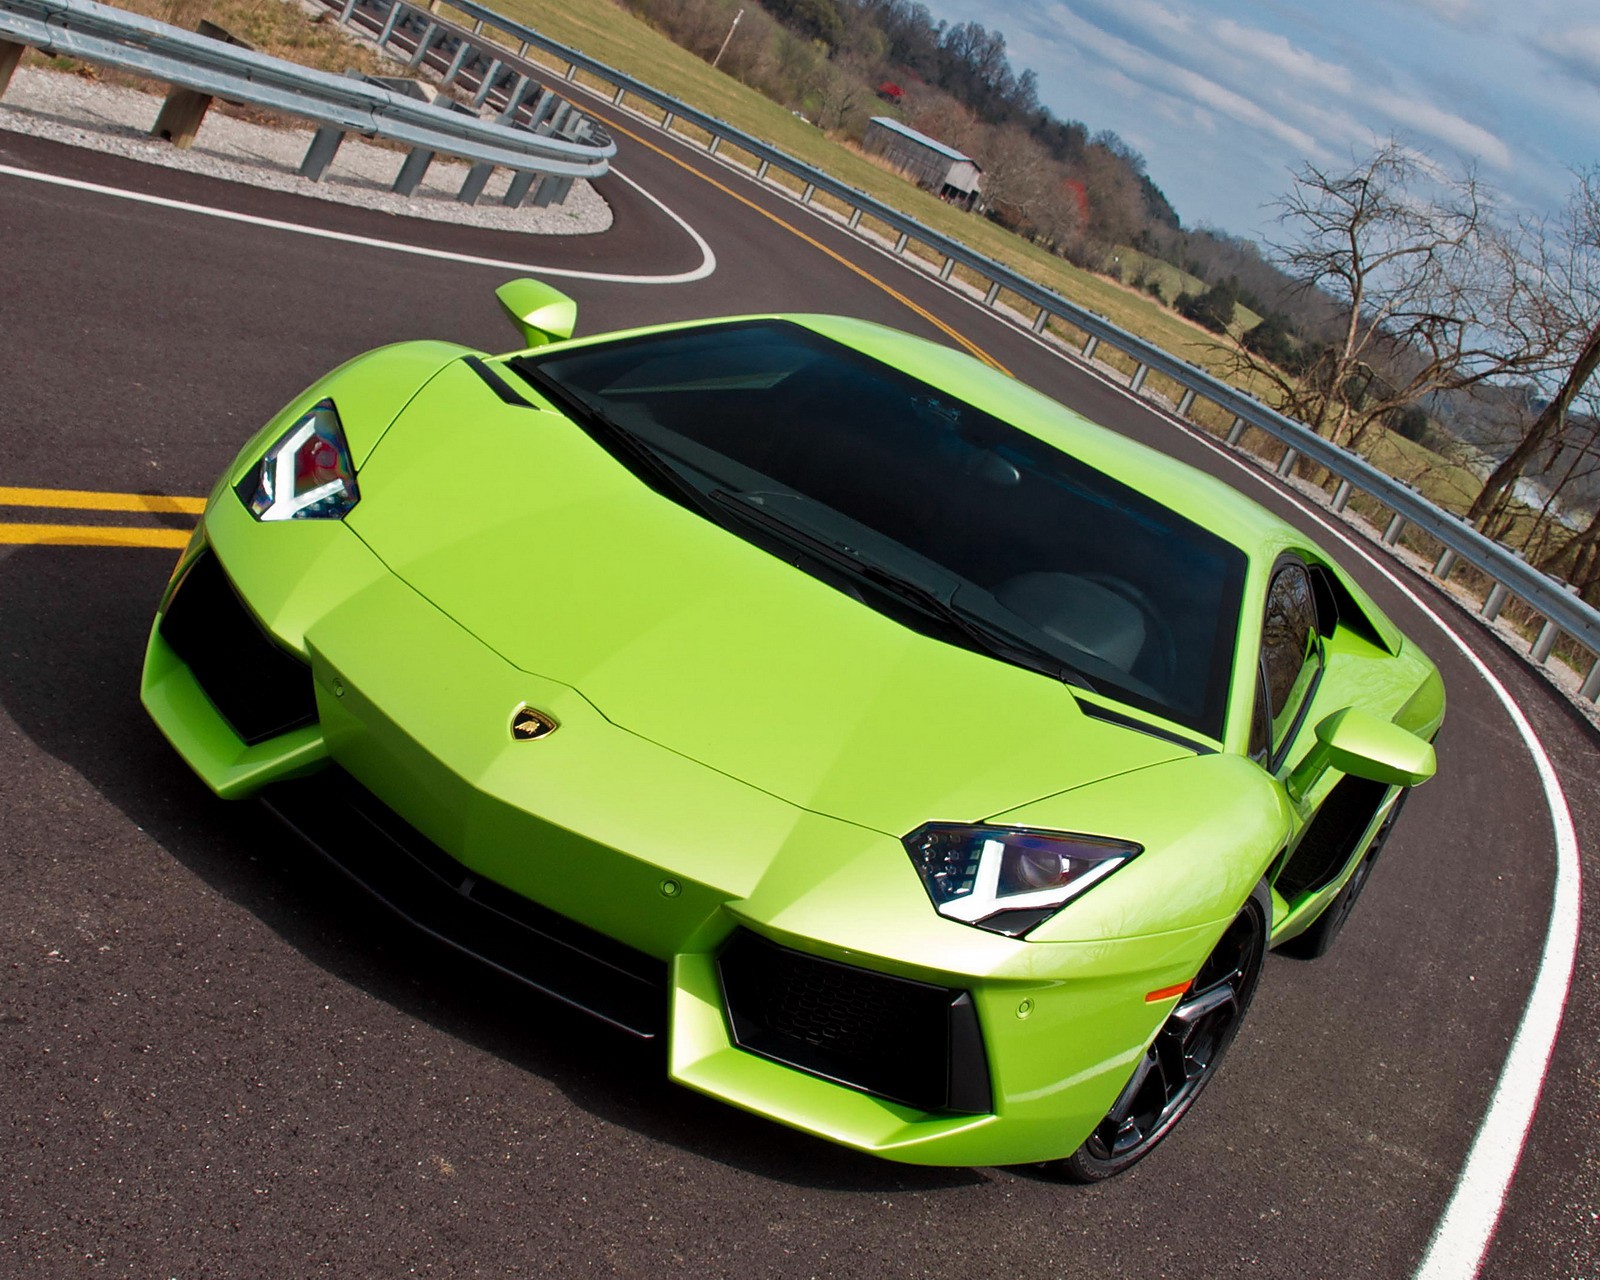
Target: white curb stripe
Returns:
[708, 259]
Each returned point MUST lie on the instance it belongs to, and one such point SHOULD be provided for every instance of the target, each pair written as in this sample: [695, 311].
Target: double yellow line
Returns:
[95, 535]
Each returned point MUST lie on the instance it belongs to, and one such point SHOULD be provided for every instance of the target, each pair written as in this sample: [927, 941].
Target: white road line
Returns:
[708, 259]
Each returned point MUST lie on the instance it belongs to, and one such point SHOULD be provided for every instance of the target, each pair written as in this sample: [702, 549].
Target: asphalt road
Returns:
[217, 1062]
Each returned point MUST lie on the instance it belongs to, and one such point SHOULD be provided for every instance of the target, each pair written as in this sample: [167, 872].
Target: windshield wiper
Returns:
[979, 633]
[624, 446]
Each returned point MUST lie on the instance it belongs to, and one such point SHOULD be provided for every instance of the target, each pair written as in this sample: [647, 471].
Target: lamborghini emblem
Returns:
[528, 725]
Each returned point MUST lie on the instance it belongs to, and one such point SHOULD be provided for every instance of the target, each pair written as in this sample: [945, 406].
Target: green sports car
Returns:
[930, 767]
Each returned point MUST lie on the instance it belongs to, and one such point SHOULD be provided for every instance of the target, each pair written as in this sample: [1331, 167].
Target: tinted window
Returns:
[1141, 600]
[1291, 653]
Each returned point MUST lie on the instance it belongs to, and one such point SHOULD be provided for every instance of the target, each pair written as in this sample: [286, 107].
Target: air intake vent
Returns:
[907, 1041]
[260, 688]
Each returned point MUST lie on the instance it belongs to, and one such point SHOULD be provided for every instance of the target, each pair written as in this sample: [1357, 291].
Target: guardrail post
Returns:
[508, 113]
[463, 51]
[1591, 685]
[487, 83]
[319, 155]
[1040, 320]
[1548, 635]
[349, 8]
[761, 170]
[558, 122]
[517, 192]
[184, 109]
[994, 292]
[1341, 496]
[811, 190]
[949, 266]
[711, 147]
[10, 56]
[1498, 595]
[412, 171]
[666, 121]
[552, 190]
[424, 43]
[1286, 463]
[855, 219]
[572, 71]
[1445, 563]
[619, 95]
[477, 27]
[1236, 431]
[1186, 402]
[1391, 535]
[1139, 375]
[900, 244]
[542, 109]
[1089, 345]
[477, 179]
[395, 10]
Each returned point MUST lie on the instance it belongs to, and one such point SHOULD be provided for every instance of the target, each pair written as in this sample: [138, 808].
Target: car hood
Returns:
[518, 526]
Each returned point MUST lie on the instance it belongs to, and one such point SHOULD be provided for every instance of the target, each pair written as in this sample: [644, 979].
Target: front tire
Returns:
[1184, 1054]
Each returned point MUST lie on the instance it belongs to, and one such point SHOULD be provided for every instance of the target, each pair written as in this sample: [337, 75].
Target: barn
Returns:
[928, 162]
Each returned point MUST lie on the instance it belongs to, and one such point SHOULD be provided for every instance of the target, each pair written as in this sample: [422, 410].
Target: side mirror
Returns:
[540, 312]
[1363, 746]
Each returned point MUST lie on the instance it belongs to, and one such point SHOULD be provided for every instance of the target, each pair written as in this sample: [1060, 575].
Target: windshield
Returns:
[768, 427]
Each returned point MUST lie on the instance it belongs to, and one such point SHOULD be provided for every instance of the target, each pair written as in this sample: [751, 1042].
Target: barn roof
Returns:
[906, 131]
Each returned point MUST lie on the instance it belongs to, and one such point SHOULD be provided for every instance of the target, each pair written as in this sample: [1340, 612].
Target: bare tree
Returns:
[1116, 203]
[1019, 178]
[1432, 294]
[1570, 284]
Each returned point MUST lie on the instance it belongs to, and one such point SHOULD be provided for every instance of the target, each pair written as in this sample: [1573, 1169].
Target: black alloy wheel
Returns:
[1184, 1055]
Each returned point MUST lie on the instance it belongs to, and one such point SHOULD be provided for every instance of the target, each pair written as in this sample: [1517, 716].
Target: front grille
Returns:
[910, 1042]
[428, 888]
[257, 686]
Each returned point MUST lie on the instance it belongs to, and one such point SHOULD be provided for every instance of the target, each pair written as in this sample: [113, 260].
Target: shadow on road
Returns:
[73, 622]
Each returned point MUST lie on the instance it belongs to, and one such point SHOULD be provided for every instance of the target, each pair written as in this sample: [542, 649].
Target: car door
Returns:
[1337, 810]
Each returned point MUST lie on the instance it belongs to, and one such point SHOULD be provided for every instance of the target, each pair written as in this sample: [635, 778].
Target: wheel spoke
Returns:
[1185, 1051]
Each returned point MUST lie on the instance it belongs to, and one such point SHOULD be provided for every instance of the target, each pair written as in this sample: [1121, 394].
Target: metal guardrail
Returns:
[1564, 613]
[101, 34]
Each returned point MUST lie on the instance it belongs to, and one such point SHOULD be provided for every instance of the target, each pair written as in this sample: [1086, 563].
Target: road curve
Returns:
[220, 1063]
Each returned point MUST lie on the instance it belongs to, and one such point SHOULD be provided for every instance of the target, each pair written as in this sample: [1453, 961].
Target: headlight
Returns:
[1007, 880]
[307, 474]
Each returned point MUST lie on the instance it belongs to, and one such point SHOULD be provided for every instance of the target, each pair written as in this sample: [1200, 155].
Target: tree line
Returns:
[1077, 193]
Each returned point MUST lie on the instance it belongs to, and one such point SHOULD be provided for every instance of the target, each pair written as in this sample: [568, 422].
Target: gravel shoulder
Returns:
[78, 111]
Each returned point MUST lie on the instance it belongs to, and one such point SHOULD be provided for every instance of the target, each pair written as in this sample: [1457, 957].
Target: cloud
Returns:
[1160, 75]
[1424, 117]
[1458, 13]
[1260, 46]
[1575, 51]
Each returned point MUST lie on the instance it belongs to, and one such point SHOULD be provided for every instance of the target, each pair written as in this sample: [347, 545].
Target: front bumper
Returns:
[637, 867]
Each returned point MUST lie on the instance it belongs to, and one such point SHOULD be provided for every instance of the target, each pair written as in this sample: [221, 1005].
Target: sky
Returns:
[1224, 99]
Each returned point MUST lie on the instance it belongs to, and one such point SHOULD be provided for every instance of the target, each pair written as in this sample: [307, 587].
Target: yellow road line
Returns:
[84, 535]
[88, 500]
[843, 261]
